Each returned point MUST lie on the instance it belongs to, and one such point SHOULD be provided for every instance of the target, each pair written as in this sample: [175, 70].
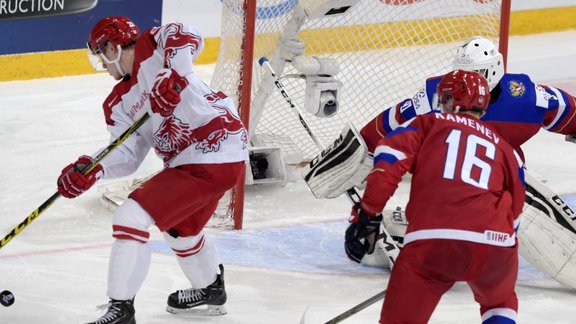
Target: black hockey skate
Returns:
[189, 300]
[119, 312]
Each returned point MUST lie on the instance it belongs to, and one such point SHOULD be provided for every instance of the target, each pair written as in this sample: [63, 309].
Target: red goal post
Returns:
[382, 50]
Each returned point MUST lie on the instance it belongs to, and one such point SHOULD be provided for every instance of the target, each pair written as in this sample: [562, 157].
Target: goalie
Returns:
[518, 109]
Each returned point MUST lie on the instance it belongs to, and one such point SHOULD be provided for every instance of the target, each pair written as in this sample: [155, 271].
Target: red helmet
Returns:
[114, 30]
[468, 89]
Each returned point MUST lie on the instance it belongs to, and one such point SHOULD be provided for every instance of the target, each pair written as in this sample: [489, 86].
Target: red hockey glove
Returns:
[72, 182]
[362, 234]
[165, 94]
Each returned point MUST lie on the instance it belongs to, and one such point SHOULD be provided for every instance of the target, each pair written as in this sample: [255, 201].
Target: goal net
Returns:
[383, 51]
[359, 56]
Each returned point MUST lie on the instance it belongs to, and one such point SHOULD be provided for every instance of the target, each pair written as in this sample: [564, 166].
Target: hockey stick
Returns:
[357, 308]
[263, 61]
[386, 242]
[117, 142]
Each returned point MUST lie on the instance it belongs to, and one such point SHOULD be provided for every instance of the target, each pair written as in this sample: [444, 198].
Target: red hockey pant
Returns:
[427, 269]
[184, 198]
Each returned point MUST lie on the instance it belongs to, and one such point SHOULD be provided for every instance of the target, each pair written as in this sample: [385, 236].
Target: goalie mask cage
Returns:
[385, 49]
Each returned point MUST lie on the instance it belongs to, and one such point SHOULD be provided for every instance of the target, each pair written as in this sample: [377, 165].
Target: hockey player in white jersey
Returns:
[197, 133]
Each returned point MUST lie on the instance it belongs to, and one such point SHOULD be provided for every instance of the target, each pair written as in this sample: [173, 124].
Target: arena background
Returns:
[290, 241]
[38, 46]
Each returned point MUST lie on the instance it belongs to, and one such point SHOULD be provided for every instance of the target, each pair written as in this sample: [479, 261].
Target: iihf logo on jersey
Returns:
[516, 88]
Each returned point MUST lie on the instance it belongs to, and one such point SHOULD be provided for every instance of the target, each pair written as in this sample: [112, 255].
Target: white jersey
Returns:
[205, 126]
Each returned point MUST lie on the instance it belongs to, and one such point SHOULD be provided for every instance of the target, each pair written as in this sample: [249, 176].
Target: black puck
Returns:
[6, 298]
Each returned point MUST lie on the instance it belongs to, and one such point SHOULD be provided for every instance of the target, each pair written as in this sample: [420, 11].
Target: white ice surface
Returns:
[287, 260]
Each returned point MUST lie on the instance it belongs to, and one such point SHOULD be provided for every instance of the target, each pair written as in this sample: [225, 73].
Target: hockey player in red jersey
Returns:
[466, 196]
[197, 133]
[518, 109]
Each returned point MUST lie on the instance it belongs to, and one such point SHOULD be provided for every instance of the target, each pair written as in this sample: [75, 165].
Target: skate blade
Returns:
[211, 310]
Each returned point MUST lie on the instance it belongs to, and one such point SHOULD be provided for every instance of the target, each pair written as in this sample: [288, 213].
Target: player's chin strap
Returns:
[115, 61]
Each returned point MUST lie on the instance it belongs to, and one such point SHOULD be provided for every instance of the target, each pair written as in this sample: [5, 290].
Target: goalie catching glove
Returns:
[362, 234]
[165, 94]
[72, 182]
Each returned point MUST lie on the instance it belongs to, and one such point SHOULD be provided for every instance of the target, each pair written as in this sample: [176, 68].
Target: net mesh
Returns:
[385, 50]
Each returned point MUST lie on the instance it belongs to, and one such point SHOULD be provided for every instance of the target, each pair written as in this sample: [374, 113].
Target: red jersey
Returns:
[467, 184]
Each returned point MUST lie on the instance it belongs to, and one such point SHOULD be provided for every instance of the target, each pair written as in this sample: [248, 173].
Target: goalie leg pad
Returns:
[543, 198]
[548, 246]
[339, 167]
[547, 233]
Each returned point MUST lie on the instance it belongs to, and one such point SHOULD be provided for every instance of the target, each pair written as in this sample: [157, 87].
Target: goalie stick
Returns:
[263, 61]
[385, 241]
[102, 155]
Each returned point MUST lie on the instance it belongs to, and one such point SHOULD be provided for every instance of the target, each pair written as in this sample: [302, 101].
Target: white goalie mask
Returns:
[481, 55]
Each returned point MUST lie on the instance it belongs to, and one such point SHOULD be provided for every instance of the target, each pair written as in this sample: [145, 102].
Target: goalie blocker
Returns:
[339, 167]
